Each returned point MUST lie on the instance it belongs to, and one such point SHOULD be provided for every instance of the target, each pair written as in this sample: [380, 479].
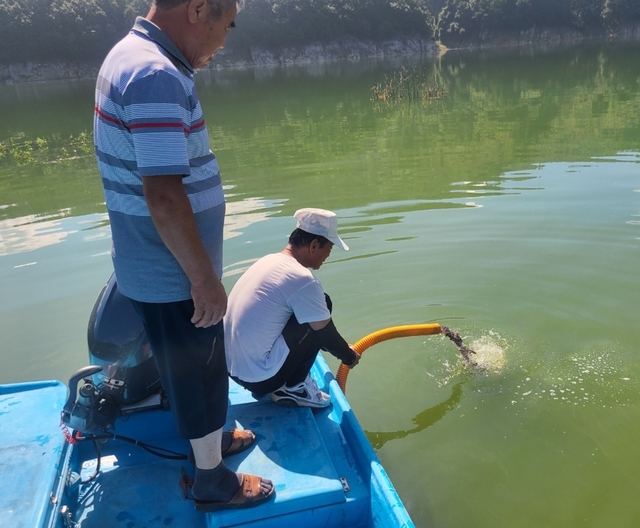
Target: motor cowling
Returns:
[119, 344]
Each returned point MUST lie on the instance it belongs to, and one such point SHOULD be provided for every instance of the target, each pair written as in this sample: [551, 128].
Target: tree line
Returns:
[84, 30]
[458, 20]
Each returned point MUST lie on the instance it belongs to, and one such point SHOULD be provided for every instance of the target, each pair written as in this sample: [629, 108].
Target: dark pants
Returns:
[303, 348]
[191, 363]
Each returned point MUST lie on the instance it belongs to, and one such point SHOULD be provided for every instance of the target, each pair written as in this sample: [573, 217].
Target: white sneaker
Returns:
[305, 394]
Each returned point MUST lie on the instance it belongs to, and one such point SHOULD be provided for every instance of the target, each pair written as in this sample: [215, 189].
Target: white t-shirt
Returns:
[259, 307]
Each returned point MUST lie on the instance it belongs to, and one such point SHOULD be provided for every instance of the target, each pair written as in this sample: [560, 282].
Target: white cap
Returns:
[320, 222]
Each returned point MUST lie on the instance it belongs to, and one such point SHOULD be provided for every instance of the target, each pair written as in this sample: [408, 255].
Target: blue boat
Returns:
[324, 469]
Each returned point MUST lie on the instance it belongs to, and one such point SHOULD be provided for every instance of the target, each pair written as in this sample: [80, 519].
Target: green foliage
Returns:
[281, 23]
[82, 144]
[588, 13]
[23, 150]
[85, 30]
[412, 85]
[42, 144]
[74, 30]
[468, 19]
[617, 12]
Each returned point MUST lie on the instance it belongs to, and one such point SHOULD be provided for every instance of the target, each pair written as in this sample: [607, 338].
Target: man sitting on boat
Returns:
[278, 317]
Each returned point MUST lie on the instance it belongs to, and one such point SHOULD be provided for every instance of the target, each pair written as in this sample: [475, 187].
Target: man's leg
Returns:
[292, 384]
[303, 349]
[207, 450]
[191, 364]
[192, 367]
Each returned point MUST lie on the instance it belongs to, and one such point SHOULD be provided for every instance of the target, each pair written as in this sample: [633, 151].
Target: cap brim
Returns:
[337, 241]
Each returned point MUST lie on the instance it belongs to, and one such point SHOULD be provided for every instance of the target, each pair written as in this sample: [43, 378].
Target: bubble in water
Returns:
[490, 352]
[446, 373]
[487, 358]
[585, 379]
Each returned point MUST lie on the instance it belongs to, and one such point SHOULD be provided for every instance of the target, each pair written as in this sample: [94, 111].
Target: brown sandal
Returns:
[241, 439]
[248, 494]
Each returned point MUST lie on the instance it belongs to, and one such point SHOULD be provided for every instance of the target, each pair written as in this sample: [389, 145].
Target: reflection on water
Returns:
[241, 214]
[489, 360]
[20, 235]
[26, 234]
[425, 419]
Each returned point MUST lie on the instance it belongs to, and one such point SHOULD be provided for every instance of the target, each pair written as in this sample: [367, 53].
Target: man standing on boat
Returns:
[279, 317]
[166, 207]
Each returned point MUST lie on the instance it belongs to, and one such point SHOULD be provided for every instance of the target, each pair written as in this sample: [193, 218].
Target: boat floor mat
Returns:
[137, 489]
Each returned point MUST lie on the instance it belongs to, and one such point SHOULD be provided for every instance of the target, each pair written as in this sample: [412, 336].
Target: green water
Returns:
[508, 210]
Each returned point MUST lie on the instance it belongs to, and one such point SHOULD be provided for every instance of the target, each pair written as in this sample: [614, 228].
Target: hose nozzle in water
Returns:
[402, 331]
[455, 337]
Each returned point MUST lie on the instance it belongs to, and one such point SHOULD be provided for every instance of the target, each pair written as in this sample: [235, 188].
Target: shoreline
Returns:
[346, 49]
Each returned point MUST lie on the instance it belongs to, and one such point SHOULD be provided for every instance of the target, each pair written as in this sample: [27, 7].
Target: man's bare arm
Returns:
[173, 217]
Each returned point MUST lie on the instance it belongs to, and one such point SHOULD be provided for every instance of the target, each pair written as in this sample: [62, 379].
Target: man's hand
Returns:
[355, 361]
[210, 304]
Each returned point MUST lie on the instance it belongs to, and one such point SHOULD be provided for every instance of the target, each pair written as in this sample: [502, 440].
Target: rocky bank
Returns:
[344, 49]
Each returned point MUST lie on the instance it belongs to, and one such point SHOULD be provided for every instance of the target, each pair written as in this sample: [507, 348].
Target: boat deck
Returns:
[322, 465]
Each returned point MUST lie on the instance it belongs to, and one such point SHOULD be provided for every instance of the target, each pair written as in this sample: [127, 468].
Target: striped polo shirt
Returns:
[148, 122]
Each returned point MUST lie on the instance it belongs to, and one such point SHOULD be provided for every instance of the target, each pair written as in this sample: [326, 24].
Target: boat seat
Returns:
[32, 451]
[290, 451]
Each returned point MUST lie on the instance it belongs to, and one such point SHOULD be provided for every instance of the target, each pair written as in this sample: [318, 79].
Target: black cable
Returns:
[154, 450]
[97, 470]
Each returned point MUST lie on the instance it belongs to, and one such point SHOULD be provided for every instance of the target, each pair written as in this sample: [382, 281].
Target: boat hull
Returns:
[325, 472]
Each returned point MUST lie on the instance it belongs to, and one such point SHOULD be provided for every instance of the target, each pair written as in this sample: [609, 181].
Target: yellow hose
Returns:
[383, 335]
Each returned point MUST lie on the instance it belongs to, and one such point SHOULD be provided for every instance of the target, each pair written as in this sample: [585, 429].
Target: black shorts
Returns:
[304, 346]
[191, 363]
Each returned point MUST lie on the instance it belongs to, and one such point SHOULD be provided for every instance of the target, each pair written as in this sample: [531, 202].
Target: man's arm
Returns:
[334, 343]
[173, 217]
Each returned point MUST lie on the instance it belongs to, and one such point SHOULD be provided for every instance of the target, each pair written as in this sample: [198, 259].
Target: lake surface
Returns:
[507, 208]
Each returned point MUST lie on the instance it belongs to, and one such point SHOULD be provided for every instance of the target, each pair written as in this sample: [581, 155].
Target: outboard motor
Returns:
[123, 372]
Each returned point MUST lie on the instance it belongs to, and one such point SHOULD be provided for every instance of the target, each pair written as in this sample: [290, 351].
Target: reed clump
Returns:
[23, 150]
[407, 85]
